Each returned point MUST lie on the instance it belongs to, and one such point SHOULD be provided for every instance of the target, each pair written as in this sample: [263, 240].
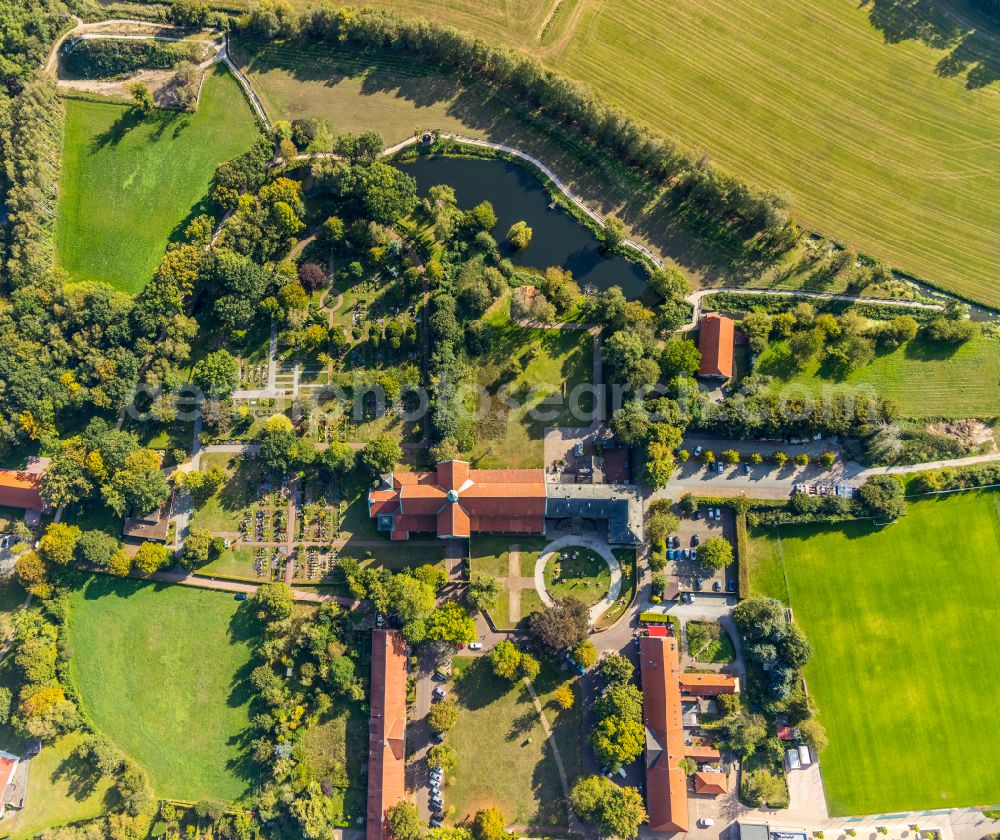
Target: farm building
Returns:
[387, 730]
[716, 339]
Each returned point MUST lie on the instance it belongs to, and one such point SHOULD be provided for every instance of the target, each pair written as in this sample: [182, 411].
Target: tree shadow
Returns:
[116, 132]
[80, 776]
[478, 686]
[968, 35]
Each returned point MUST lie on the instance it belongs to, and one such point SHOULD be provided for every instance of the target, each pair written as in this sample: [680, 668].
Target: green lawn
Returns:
[498, 727]
[60, 790]
[554, 363]
[923, 378]
[587, 577]
[162, 671]
[129, 183]
[490, 556]
[903, 624]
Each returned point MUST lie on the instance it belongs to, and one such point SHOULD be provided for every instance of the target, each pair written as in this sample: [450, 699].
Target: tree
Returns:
[273, 601]
[688, 765]
[662, 521]
[442, 716]
[150, 557]
[614, 232]
[618, 740]
[519, 235]
[96, 548]
[827, 460]
[757, 328]
[812, 732]
[528, 668]
[120, 563]
[562, 626]
[882, 495]
[779, 459]
[585, 654]
[484, 592]
[489, 824]
[381, 455]
[621, 700]
[277, 442]
[563, 697]
[410, 599]
[680, 357]
[142, 98]
[730, 456]
[199, 546]
[715, 553]
[59, 542]
[615, 669]
[616, 811]
[218, 374]
[505, 659]
[761, 786]
[404, 821]
[759, 618]
[451, 623]
[442, 756]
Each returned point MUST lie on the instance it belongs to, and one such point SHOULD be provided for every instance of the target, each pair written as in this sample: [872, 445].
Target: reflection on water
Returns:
[515, 193]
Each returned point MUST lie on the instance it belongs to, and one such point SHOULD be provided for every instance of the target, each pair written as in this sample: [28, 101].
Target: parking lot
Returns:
[688, 571]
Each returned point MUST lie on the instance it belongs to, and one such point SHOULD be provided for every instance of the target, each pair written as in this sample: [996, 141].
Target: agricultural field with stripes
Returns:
[834, 106]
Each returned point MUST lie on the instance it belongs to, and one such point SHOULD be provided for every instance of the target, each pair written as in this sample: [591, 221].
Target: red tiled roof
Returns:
[387, 730]
[701, 753]
[666, 783]
[714, 783]
[452, 521]
[715, 342]
[709, 685]
[21, 489]
[491, 501]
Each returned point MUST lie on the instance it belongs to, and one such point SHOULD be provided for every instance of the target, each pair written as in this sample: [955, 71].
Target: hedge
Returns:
[774, 304]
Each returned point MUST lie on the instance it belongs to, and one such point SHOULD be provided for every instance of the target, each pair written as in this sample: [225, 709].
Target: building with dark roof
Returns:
[387, 730]
[716, 339]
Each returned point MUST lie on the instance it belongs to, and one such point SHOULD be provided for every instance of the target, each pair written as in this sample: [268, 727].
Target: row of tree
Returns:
[715, 197]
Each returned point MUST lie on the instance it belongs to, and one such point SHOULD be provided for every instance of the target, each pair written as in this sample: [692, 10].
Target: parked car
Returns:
[436, 821]
[711, 514]
[439, 693]
[670, 554]
[677, 541]
[437, 805]
[706, 822]
[718, 514]
[438, 737]
[695, 540]
[717, 587]
[437, 676]
[697, 452]
[621, 772]
[720, 468]
[475, 645]
[435, 776]
[731, 586]
[379, 620]
[697, 583]
[690, 598]
[241, 596]
[747, 469]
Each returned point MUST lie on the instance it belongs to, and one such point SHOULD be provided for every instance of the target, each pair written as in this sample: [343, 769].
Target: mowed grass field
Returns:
[856, 126]
[162, 671]
[499, 727]
[923, 378]
[130, 183]
[902, 620]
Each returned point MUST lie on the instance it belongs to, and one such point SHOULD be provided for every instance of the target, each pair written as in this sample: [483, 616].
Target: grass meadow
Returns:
[498, 727]
[162, 671]
[130, 183]
[923, 378]
[902, 622]
[877, 139]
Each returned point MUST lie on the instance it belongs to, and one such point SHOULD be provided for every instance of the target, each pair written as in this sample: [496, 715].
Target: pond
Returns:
[516, 194]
